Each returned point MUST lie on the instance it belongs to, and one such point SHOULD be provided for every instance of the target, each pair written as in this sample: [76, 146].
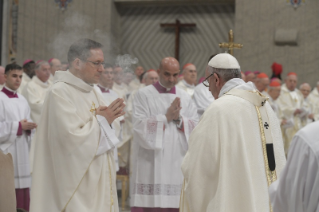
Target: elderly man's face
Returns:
[55, 66]
[152, 77]
[291, 82]
[251, 78]
[262, 83]
[190, 74]
[92, 68]
[274, 92]
[305, 90]
[43, 73]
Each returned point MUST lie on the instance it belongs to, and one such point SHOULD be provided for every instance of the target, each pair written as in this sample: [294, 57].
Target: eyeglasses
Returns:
[96, 64]
[205, 82]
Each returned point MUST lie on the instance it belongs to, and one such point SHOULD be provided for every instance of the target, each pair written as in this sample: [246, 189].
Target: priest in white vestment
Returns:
[163, 118]
[189, 81]
[55, 65]
[119, 86]
[28, 72]
[290, 104]
[2, 79]
[273, 93]
[236, 150]
[297, 189]
[15, 133]
[74, 168]
[36, 90]
[136, 82]
[307, 115]
[314, 95]
[202, 96]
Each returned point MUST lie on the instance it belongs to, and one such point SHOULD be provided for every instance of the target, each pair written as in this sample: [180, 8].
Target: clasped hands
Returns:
[113, 111]
[174, 110]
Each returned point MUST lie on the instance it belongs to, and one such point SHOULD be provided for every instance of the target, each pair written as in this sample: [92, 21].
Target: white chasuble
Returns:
[35, 92]
[186, 87]
[159, 147]
[288, 102]
[202, 98]
[225, 166]
[296, 189]
[12, 111]
[73, 168]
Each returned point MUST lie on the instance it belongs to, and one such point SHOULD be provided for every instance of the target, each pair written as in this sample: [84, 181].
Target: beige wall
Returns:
[44, 31]
[255, 26]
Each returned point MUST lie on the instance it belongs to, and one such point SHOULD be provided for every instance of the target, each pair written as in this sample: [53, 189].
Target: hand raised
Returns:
[113, 111]
[27, 125]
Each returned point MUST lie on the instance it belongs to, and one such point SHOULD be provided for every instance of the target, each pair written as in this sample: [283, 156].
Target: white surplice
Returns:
[202, 98]
[25, 80]
[159, 147]
[73, 167]
[186, 87]
[35, 92]
[224, 168]
[134, 84]
[297, 188]
[12, 111]
[288, 102]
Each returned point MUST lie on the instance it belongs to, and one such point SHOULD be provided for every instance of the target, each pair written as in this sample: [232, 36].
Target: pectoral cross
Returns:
[231, 45]
[266, 125]
[177, 25]
[93, 109]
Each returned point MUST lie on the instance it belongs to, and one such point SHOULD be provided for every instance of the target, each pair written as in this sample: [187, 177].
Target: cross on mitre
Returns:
[231, 45]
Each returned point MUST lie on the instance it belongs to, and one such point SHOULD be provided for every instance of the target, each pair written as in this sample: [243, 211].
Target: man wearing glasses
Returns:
[74, 167]
[236, 150]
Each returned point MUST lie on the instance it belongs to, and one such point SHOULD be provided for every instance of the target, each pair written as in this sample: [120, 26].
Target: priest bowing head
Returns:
[235, 149]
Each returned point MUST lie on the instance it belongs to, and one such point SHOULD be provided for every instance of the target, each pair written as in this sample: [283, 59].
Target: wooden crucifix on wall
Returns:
[177, 25]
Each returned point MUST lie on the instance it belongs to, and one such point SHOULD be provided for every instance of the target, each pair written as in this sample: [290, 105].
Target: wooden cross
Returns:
[231, 45]
[178, 25]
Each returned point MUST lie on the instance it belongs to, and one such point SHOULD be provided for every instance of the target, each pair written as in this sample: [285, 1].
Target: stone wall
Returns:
[255, 25]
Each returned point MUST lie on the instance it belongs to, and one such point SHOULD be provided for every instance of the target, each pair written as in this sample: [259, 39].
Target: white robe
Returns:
[288, 102]
[134, 84]
[74, 168]
[224, 168]
[1, 86]
[121, 90]
[25, 80]
[274, 105]
[297, 188]
[156, 176]
[35, 92]
[12, 111]
[314, 95]
[186, 87]
[202, 98]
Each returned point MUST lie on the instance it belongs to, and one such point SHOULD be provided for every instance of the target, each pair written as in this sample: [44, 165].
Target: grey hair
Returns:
[38, 65]
[145, 75]
[303, 84]
[225, 74]
[81, 49]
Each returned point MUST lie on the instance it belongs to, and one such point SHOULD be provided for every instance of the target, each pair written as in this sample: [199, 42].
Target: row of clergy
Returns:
[145, 104]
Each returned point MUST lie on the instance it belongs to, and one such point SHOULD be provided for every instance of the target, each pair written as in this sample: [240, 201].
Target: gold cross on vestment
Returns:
[93, 109]
[231, 45]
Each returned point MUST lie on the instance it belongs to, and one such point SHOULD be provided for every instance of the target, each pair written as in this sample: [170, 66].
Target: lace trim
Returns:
[151, 127]
[157, 189]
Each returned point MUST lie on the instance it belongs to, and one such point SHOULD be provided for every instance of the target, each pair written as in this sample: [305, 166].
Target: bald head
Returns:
[55, 65]
[168, 72]
[305, 89]
[150, 78]
[291, 82]
[2, 79]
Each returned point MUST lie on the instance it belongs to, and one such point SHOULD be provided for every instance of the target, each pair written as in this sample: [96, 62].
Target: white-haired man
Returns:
[190, 76]
[226, 168]
[307, 115]
[55, 65]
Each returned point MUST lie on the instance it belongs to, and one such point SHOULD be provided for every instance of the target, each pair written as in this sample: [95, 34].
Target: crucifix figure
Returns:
[178, 25]
[231, 45]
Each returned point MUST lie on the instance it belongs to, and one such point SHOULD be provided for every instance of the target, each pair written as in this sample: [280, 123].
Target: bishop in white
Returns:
[236, 150]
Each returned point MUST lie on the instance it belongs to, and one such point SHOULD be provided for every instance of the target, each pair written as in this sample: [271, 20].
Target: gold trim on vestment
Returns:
[271, 175]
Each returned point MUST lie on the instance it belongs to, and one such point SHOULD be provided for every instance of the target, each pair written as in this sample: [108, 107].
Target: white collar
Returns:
[188, 85]
[14, 92]
[167, 89]
[239, 84]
